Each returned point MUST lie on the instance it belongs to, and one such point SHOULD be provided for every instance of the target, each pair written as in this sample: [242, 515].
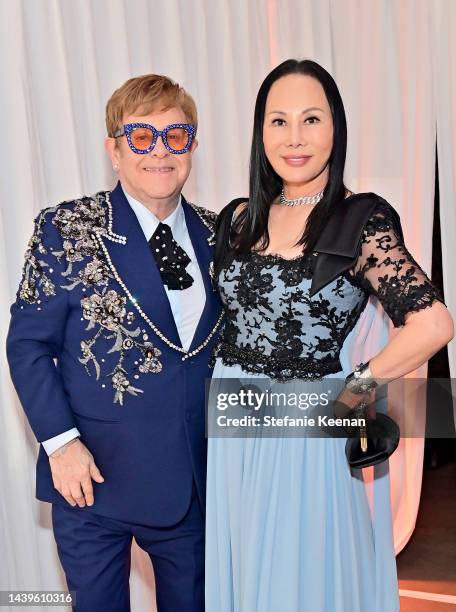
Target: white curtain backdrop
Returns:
[60, 60]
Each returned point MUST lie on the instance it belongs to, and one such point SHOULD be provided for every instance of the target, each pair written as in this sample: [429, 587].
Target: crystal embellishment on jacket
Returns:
[64, 256]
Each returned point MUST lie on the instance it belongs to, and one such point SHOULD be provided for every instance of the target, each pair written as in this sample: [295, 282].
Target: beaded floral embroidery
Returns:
[83, 264]
[106, 312]
[35, 277]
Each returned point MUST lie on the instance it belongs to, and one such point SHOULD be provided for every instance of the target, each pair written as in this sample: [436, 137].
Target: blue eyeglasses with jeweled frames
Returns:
[142, 137]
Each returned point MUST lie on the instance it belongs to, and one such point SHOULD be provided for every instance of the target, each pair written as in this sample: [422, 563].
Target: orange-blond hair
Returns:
[145, 94]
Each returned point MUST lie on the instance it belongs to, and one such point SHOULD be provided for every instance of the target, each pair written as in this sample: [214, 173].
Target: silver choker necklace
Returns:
[312, 199]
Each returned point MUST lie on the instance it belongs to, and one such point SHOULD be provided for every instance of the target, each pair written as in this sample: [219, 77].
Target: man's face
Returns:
[158, 175]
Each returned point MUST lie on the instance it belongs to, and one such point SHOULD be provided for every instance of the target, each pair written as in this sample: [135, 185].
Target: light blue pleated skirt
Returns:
[289, 527]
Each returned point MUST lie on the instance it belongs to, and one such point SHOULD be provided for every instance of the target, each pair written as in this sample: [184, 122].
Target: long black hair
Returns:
[265, 184]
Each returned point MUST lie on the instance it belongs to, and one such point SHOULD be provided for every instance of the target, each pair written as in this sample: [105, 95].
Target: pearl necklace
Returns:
[312, 199]
[99, 233]
[110, 234]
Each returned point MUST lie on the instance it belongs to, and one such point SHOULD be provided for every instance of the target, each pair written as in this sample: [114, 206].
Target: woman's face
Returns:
[298, 133]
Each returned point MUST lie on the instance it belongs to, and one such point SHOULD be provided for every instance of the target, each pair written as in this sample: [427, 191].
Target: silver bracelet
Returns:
[361, 379]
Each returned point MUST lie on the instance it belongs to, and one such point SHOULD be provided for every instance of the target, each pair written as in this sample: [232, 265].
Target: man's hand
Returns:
[73, 468]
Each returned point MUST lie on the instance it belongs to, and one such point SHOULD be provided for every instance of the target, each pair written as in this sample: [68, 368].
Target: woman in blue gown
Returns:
[299, 267]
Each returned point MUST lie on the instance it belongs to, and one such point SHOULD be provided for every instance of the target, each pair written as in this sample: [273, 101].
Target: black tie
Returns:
[171, 258]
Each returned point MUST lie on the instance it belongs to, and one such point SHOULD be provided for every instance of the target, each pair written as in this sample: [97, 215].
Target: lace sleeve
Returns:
[386, 269]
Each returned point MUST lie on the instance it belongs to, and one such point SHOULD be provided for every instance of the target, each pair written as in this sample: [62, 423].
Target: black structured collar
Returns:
[338, 246]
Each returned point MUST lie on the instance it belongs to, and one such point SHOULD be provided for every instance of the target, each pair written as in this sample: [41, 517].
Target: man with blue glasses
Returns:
[109, 344]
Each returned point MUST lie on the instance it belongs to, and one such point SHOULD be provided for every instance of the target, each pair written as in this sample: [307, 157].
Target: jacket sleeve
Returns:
[56, 442]
[36, 333]
[386, 269]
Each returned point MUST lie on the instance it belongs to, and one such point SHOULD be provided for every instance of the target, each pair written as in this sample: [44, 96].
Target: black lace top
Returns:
[273, 326]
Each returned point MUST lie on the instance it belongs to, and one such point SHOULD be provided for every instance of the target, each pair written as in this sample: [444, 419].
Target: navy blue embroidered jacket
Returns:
[93, 344]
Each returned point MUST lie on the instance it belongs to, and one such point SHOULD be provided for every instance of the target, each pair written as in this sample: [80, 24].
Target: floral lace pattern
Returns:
[273, 326]
[78, 263]
[386, 269]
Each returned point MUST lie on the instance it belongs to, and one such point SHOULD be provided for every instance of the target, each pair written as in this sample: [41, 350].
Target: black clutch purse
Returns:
[373, 443]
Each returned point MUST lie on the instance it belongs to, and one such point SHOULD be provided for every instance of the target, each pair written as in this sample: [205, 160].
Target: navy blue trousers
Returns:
[95, 555]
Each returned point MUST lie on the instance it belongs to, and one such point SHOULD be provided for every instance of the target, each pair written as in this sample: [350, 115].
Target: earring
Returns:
[115, 167]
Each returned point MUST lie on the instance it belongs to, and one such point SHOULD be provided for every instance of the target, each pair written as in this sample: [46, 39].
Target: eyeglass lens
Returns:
[142, 138]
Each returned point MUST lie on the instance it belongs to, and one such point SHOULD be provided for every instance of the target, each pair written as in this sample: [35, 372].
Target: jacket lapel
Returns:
[137, 268]
[199, 235]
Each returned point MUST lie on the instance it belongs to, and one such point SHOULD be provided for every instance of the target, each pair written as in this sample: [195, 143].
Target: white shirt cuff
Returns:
[56, 442]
